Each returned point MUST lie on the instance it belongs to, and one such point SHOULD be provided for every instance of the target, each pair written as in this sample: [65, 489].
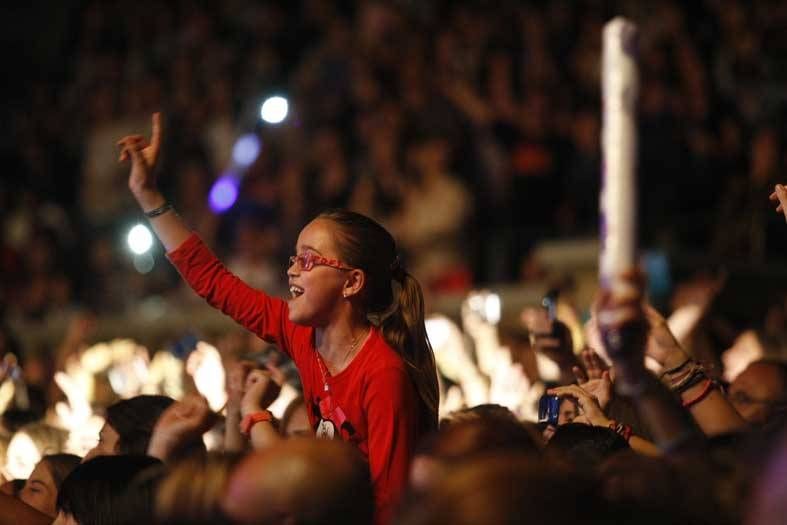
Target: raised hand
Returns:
[595, 379]
[662, 345]
[261, 389]
[592, 412]
[780, 195]
[205, 366]
[181, 424]
[143, 155]
[551, 339]
[624, 329]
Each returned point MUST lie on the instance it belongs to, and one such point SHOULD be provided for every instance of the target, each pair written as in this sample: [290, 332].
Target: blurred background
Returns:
[469, 128]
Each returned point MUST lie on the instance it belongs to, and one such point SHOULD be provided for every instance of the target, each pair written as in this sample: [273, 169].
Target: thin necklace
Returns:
[323, 367]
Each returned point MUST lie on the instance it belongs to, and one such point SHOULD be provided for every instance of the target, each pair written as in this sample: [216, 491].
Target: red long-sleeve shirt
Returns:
[374, 392]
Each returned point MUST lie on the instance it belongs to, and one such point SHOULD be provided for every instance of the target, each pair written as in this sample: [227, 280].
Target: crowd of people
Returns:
[429, 148]
[481, 117]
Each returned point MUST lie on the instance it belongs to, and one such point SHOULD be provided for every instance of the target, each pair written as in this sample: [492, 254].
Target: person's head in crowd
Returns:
[41, 488]
[129, 424]
[109, 490]
[568, 411]
[470, 433]
[376, 286]
[759, 393]
[31, 443]
[734, 462]
[486, 412]
[654, 491]
[301, 481]
[507, 489]
[583, 446]
[191, 492]
[295, 420]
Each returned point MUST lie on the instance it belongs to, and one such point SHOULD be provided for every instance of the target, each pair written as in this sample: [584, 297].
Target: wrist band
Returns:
[705, 391]
[691, 376]
[621, 429]
[252, 419]
[161, 210]
[675, 369]
[694, 380]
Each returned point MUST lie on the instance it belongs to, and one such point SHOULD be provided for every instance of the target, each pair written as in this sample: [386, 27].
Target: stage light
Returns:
[224, 193]
[274, 110]
[246, 150]
[140, 240]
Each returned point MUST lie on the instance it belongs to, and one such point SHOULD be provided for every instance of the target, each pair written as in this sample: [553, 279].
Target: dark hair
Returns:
[133, 419]
[584, 446]
[191, 491]
[60, 466]
[289, 412]
[507, 489]
[304, 482]
[460, 440]
[364, 244]
[491, 412]
[111, 490]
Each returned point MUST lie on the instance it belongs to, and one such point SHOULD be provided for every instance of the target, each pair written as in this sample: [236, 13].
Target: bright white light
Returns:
[246, 149]
[140, 240]
[274, 110]
[492, 308]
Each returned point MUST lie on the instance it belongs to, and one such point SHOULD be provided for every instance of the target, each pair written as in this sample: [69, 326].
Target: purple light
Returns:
[224, 193]
[246, 149]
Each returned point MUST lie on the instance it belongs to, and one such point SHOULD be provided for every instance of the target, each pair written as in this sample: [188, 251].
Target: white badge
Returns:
[325, 429]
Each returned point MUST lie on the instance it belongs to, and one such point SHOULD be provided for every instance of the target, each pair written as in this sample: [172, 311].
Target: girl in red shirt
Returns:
[354, 324]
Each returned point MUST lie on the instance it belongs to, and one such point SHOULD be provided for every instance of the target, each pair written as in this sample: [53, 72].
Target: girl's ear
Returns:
[354, 283]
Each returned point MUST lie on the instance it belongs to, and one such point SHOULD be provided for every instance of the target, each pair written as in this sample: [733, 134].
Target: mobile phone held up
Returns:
[548, 409]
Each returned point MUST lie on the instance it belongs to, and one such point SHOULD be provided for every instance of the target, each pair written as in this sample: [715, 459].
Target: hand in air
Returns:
[624, 331]
[261, 389]
[182, 423]
[548, 337]
[591, 412]
[205, 366]
[780, 195]
[143, 155]
[595, 378]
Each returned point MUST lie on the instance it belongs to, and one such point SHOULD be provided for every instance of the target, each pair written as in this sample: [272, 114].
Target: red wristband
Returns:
[622, 430]
[252, 419]
[709, 384]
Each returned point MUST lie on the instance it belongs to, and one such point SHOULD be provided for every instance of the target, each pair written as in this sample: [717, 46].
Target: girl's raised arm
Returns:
[169, 227]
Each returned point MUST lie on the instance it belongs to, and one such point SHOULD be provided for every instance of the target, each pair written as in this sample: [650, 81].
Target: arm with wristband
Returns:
[169, 227]
[688, 379]
[257, 423]
[592, 414]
